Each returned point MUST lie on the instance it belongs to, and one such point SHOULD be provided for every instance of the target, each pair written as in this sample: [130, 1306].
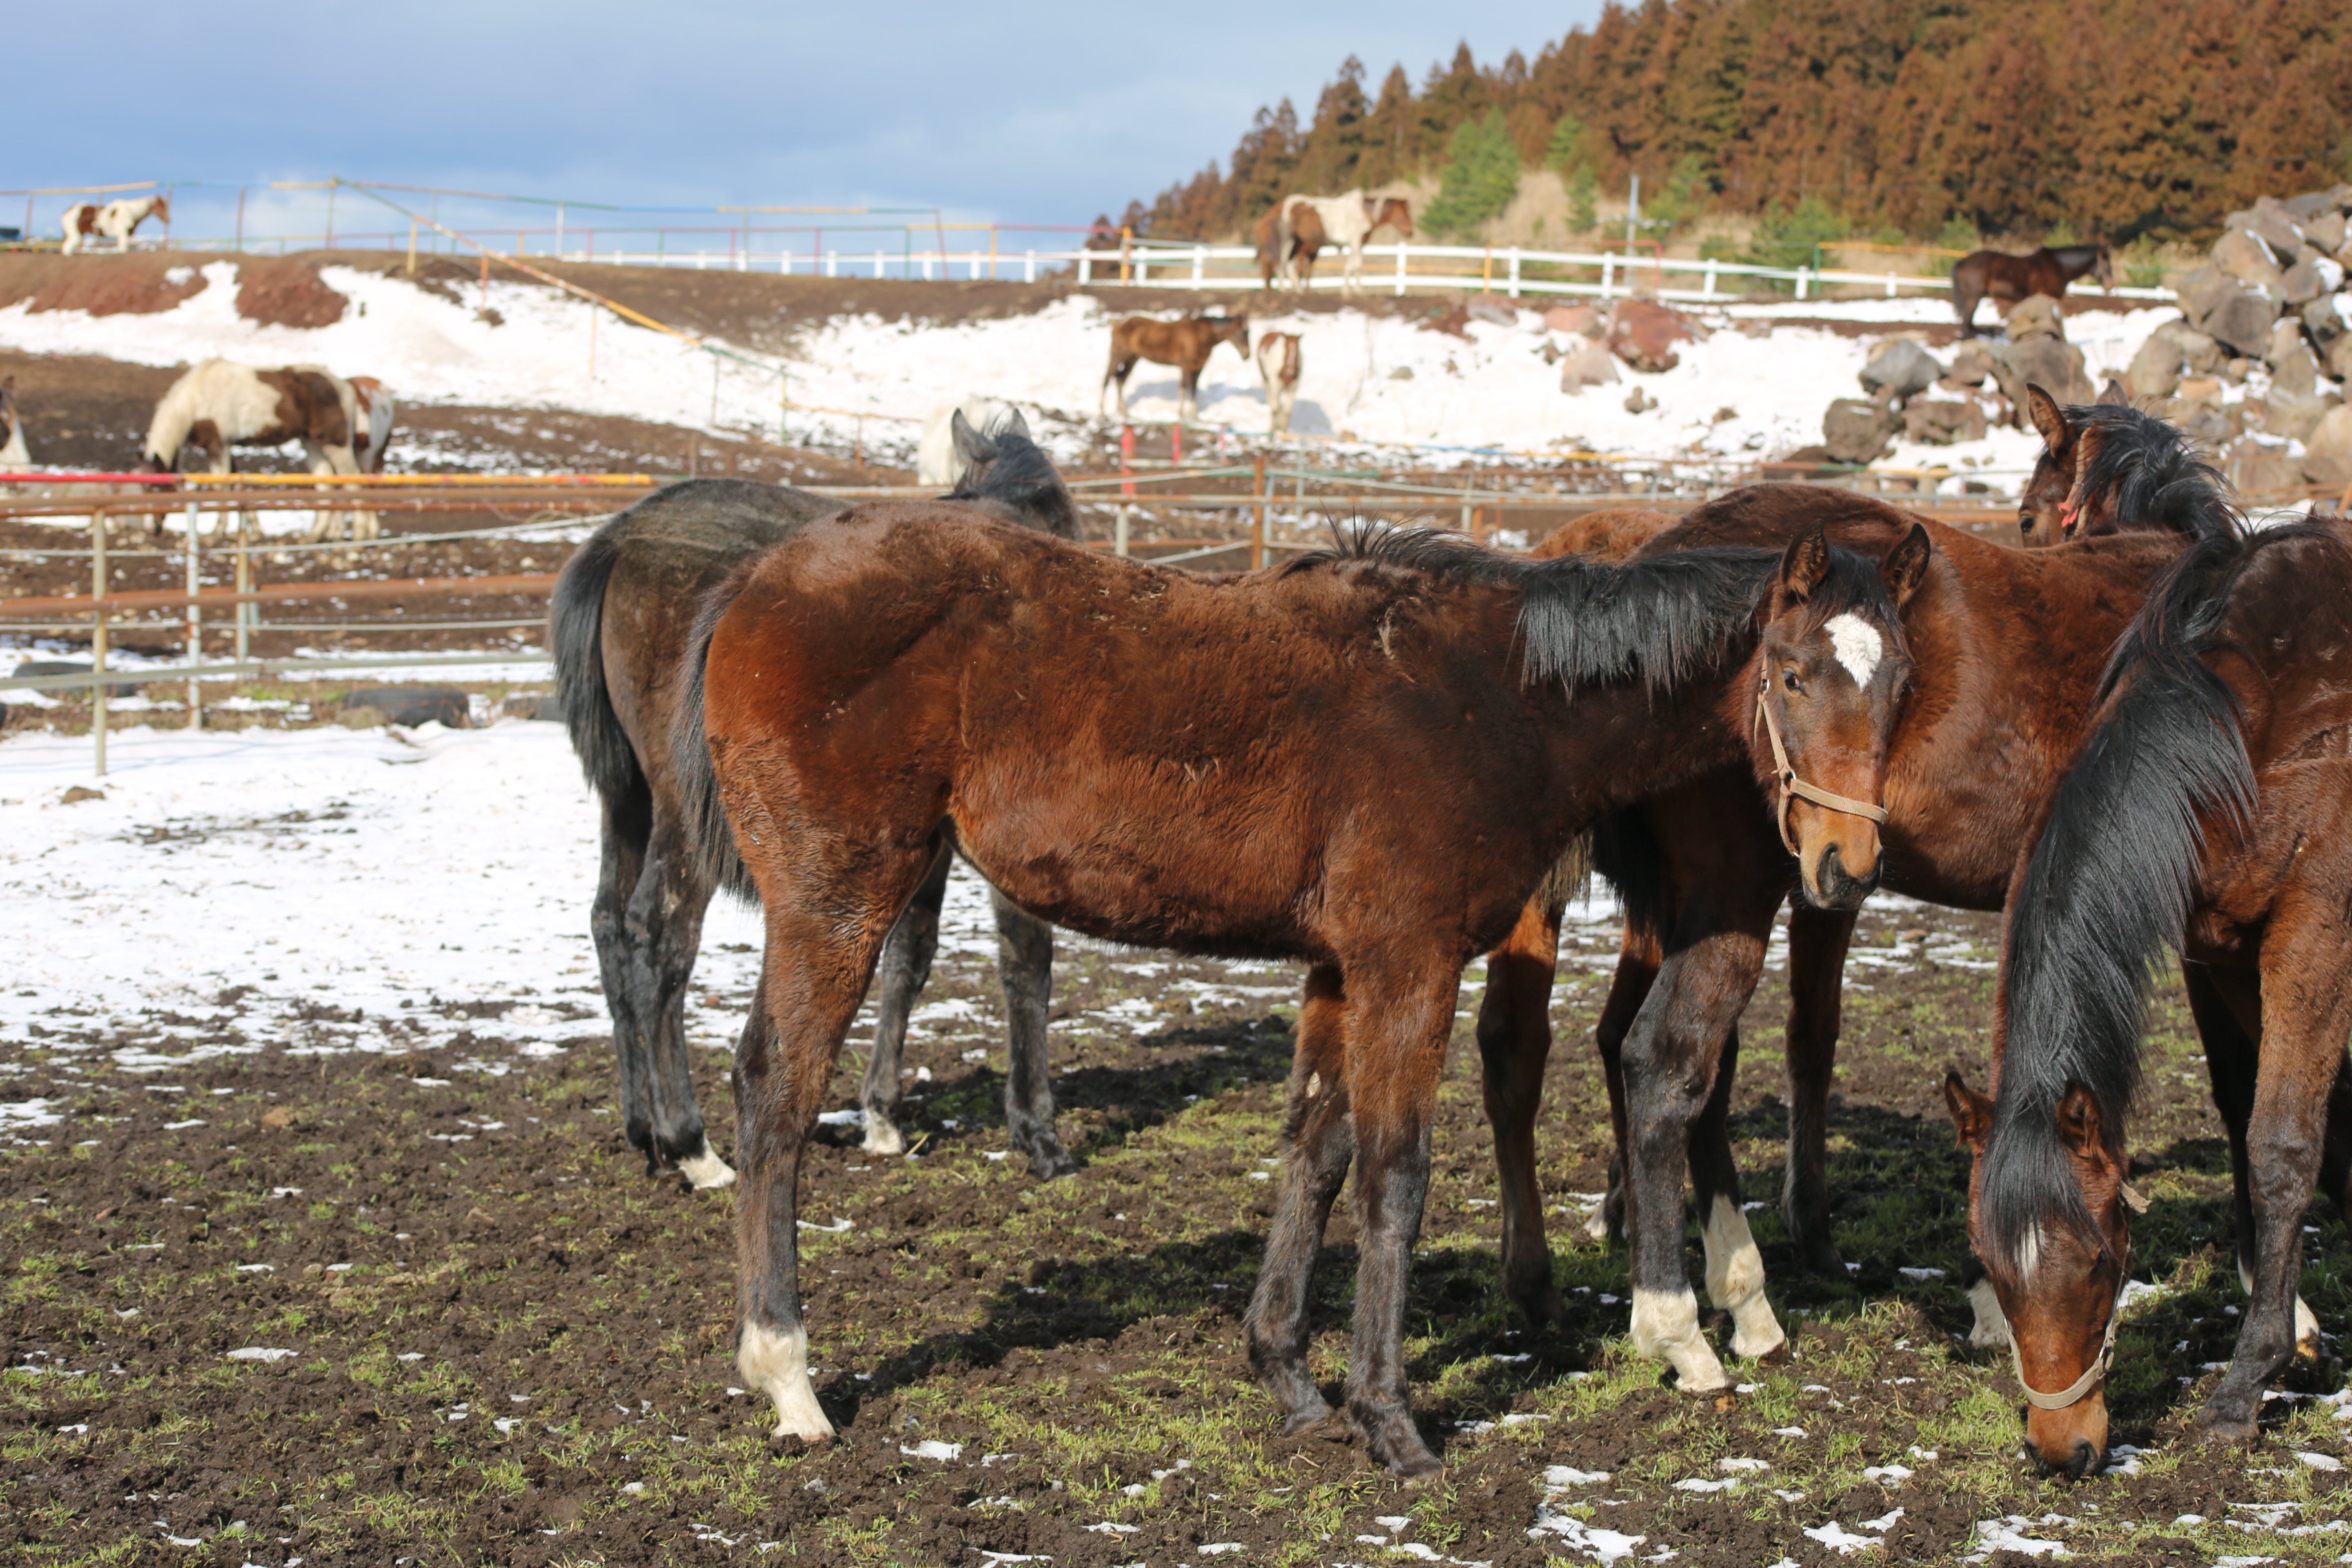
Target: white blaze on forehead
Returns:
[1857, 645]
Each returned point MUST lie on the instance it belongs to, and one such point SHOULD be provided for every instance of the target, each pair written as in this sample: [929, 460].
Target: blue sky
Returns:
[1015, 112]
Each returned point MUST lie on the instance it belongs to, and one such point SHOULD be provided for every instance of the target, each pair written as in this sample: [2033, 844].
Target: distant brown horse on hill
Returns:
[1186, 345]
[1991, 275]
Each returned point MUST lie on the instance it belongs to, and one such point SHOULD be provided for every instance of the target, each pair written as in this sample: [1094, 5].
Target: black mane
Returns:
[1595, 621]
[1009, 476]
[2158, 481]
[2109, 885]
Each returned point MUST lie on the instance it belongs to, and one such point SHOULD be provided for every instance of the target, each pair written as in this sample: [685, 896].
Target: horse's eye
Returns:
[1789, 679]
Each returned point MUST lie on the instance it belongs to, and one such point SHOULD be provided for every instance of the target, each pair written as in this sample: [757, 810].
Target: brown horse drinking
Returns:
[1242, 767]
[1186, 345]
[619, 624]
[2008, 645]
[1993, 275]
[2206, 814]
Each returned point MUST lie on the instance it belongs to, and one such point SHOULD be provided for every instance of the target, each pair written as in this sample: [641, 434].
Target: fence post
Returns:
[195, 618]
[97, 635]
[1709, 290]
[1118, 536]
[1608, 271]
[1200, 264]
[1126, 459]
[244, 611]
[1399, 269]
[412, 247]
[1029, 268]
[1515, 272]
[1126, 247]
[1086, 268]
[1257, 524]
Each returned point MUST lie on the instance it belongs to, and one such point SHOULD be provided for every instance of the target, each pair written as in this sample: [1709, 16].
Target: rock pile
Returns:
[1642, 333]
[2271, 296]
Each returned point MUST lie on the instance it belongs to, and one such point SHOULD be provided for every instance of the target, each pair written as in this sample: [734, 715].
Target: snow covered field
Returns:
[1751, 388]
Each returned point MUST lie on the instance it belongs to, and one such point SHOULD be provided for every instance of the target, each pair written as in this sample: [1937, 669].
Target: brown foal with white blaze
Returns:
[1238, 766]
[1186, 345]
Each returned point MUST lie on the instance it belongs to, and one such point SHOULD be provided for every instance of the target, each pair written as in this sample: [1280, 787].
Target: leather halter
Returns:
[2074, 1392]
[1791, 786]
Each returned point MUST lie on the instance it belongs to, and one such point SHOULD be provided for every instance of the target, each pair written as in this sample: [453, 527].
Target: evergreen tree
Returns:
[1482, 175]
[1388, 133]
[1333, 149]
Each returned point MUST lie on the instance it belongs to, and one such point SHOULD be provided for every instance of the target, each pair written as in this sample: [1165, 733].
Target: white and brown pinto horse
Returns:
[12, 454]
[372, 427]
[1346, 221]
[1278, 362]
[114, 221]
[220, 405]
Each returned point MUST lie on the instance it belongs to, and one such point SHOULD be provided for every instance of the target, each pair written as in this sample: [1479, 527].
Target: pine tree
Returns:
[1388, 133]
[1482, 175]
[1333, 149]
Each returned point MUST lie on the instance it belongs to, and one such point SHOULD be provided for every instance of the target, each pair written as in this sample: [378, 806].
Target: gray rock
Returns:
[2240, 254]
[2339, 357]
[2327, 318]
[2209, 427]
[2036, 316]
[1902, 368]
[2308, 280]
[2275, 224]
[2201, 354]
[2309, 206]
[1858, 430]
[1938, 422]
[2252, 465]
[2291, 416]
[2327, 448]
[2327, 231]
[2294, 370]
[1973, 366]
[2052, 364]
[75, 666]
[2155, 370]
[1639, 401]
[1496, 315]
[2242, 323]
[1594, 366]
[547, 709]
[413, 704]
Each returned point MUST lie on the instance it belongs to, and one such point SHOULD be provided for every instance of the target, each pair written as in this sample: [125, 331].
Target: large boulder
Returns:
[1971, 367]
[2294, 369]
[2052, 364]
[2327, 448]
[2270, 222]
[2241, 254]
[2238, 318]
[1595, 366]
[413, 704]
[1643, 333]
[2339, 358]
[2155, 370]
[1939, 422]
[2311, 205]
[1859, 429]
[1901, 368]
[2036, 316]
[1581, 320]
[2309, 279]
[2326, 230]
[2292, 417]
[2327, 318]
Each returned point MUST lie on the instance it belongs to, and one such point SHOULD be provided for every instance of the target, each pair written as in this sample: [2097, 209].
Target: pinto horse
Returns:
[1991, 274]
[2206, 814]
[1278, 365]
[619, 626]
[1211, 765]
[12, 426]
[1186, 343]
[1345, 221]
[2008, 645]
[114, 221]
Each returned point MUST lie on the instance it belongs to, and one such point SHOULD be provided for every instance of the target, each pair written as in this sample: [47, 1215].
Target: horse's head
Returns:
[1393, 211]
[2060, 1285]
[1234, 330]
[1832, 668]
[2041, 518]
[163, 208]
[1006, 474]
[2103, 270]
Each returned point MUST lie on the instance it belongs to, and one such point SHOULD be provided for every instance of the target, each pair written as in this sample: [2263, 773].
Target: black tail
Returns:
[2109, 885]
[706, 814]
[575, 631]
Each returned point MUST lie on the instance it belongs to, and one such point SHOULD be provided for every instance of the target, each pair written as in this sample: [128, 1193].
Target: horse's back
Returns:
[1612, 533]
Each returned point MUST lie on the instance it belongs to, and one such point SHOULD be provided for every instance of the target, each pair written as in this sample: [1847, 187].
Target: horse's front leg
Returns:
[1318, 1142]
[1818, 941]
[1514, 1043]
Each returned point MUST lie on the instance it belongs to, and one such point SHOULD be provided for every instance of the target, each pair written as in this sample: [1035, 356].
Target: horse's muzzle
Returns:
[1835, 887]
[2084, 1461]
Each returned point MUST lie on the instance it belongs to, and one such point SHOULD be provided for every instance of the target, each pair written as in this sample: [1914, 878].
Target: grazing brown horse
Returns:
[1993, 275]
[2206, 814]
[619, 624]
[1213, 766]
[1186, 343]
[2009, 647]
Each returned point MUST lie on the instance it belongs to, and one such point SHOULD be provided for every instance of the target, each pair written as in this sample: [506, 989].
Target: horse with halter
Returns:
[2009, 644]
[1346, 221]
[619, 624]
[1185, 343]
[115, 221]
[1994, 275]
[1156, 758]
[2204, 813]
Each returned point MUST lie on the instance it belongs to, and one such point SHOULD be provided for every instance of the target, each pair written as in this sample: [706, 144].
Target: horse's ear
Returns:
[2079, 1123]
[2115, 396]
[1905, 566]
[1805, 562]
[1972, 1112]
[1012, 424]
[2047, 419]
[970, 446]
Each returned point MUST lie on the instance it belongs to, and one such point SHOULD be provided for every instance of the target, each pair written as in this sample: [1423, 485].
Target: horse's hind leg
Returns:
[1317, 1142]
[905, 969]
[1818, 941]
[1024, 966]
[628, 823]
[665, 924]
[1514, 1043]
[1639, 954]
[822, 943]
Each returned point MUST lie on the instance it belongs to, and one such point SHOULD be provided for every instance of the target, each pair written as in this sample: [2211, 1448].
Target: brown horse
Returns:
[1275, 257]
[2089, 478]
[1186, 343]
[2009, 644]
[1991, 274]
[1155, 758]
[618, 625]
[2206, 814]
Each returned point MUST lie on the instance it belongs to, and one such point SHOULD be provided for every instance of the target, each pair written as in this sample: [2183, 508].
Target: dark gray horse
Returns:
[619, 624]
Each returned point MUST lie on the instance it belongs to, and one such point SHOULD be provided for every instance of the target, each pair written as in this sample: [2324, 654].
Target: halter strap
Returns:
[1791, 786]
[2073, 1393]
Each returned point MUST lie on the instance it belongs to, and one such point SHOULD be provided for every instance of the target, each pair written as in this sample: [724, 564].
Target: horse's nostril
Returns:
[2085, 1459]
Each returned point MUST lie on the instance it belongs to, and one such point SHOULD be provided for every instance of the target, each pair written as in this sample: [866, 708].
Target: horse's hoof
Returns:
[1051, 1162]
[705, 1171]
[1309, 1417]
[882, 1136]
[1823, 1259]
[2222, 1430]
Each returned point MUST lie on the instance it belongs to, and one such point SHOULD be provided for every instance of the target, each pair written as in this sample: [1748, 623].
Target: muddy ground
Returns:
[491, 1339]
